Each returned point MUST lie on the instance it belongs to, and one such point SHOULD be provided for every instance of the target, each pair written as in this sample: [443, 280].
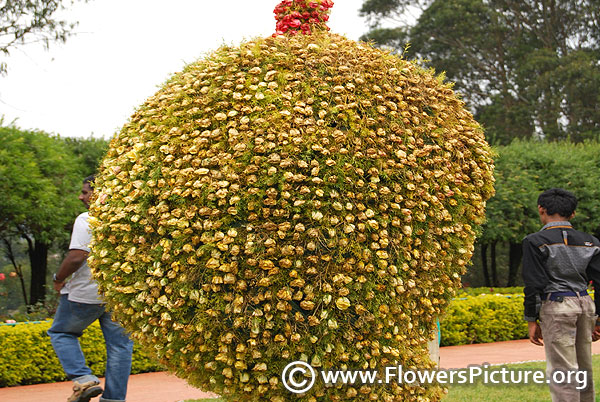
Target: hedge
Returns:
[515, 290]
[482, 319]
[27, 357]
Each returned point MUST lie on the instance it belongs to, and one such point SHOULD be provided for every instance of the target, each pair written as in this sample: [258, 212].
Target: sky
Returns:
[123, 51]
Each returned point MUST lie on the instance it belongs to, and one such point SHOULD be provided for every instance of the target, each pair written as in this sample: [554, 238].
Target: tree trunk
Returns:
[38, 258]
[515, 254]
[484, 265]
[494, 265]
[18, 269]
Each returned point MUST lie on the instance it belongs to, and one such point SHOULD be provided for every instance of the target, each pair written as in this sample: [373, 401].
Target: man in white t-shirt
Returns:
[79, 306]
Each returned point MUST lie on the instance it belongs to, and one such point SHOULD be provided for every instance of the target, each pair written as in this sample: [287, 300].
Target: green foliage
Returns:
[394, 38]
[40, 178]
[10, 292]
[482, 319]
[526, 68]
[89, 152]
[487, 392]
[523, 169]
[526, 168]
[377, 9]
[38, 181]
[488, 291]
[27, 21]
[27, 357]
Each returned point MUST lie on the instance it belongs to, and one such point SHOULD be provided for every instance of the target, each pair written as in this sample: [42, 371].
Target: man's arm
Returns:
[72, 262]
[535, 280]
[593, 273]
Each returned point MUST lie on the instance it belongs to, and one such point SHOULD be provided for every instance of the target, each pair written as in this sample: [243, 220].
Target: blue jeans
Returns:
[69, 322]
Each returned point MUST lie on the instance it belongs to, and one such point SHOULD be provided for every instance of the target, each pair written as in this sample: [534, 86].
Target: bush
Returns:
[482, 319]
[294, 198]
[524, 169]
[487, 290]
[27, 357]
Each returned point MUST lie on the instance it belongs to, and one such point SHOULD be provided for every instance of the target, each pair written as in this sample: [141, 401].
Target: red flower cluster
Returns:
[301, 16]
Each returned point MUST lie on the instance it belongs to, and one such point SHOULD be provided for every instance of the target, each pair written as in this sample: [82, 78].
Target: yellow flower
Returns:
[342, 303]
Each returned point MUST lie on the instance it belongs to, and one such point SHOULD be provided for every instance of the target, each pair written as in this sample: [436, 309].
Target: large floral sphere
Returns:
[299, 197]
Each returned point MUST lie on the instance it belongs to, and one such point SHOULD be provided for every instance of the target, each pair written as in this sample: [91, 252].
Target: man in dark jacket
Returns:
[558, 263]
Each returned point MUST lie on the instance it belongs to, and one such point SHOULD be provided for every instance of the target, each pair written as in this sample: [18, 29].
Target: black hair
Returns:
[90, 180]
[558, 201]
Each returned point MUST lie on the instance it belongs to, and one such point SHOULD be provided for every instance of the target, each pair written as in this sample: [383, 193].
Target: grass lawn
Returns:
[501, 392]
[509, 392]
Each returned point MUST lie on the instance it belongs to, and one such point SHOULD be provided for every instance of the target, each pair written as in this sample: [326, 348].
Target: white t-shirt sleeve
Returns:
[81, 236]
[82, 288]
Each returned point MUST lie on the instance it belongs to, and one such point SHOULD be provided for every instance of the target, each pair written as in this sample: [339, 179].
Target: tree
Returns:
[527, 68]
[523, 170]
[28, 21]
[39, 180]
[18, 269]
[89, 152]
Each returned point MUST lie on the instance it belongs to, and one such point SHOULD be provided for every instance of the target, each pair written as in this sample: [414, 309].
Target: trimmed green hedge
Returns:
[489, 291]
[483, 319]
[27, 357]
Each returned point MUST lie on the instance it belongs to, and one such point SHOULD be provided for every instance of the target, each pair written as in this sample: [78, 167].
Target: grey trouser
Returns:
[567, 328]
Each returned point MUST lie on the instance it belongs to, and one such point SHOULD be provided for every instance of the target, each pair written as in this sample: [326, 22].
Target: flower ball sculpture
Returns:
[302, 197]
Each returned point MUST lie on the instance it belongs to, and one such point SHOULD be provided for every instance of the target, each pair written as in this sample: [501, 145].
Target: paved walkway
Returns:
[163, 387]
